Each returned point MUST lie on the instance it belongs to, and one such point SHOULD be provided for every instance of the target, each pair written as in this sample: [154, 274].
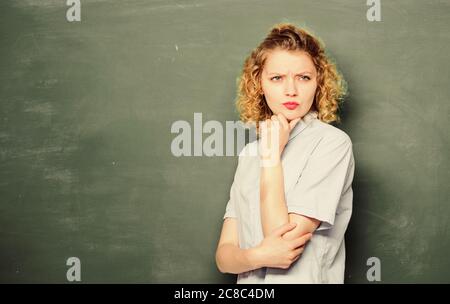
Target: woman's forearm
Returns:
[273, 207]
[232, 259]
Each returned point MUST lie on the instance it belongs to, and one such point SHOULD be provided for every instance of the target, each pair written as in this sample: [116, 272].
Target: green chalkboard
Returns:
[86, 110]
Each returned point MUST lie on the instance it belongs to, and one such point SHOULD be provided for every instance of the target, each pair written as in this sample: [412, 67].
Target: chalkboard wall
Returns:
[87, 107]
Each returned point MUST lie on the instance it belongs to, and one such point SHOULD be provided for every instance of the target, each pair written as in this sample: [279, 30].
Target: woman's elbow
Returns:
[219, 263]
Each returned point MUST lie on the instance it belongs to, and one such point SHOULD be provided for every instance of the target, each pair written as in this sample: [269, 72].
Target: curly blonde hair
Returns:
[331, 86]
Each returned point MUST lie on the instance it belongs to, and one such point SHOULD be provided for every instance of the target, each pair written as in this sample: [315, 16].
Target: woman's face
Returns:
[289, 82]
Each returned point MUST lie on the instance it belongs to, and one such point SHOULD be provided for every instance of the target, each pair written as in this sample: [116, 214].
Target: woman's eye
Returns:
[303, 77]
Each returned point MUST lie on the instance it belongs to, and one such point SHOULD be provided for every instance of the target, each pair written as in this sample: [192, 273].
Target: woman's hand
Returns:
[278, 252]
[274, 136]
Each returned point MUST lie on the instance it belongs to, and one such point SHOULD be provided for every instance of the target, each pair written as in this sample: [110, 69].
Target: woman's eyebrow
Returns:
[303, 72]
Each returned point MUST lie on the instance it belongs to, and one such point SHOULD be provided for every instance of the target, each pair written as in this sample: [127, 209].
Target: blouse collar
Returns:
[303, 123]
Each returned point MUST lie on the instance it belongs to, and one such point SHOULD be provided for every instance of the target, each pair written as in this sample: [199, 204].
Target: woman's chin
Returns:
[291, 116]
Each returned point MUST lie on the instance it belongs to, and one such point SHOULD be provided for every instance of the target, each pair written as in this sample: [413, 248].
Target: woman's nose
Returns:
[290, 88]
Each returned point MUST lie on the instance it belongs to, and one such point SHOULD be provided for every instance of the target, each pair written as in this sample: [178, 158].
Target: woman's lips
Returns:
[291, 105]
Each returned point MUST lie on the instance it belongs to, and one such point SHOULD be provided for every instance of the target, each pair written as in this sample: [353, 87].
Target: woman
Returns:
[289, 205]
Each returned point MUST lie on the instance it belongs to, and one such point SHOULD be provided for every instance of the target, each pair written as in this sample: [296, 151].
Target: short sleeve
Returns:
[326, 176]
[230, 209]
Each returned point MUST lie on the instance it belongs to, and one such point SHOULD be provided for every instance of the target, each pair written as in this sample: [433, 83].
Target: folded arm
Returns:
[273, 206]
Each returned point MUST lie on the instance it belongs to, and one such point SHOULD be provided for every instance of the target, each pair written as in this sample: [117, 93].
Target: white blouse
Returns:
[318, 167]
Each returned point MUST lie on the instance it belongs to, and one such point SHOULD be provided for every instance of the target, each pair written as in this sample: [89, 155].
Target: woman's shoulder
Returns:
[328, 132]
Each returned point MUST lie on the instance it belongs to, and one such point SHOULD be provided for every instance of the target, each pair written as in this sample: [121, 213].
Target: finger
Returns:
[275, 124]
[301, 240]
[298, 251]
[267, 124]
[261, 128]
[284, 228]
[283, 121]
[274, 121]
[264, 131]
[293, 123]
[268, 130]
[262, 124]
